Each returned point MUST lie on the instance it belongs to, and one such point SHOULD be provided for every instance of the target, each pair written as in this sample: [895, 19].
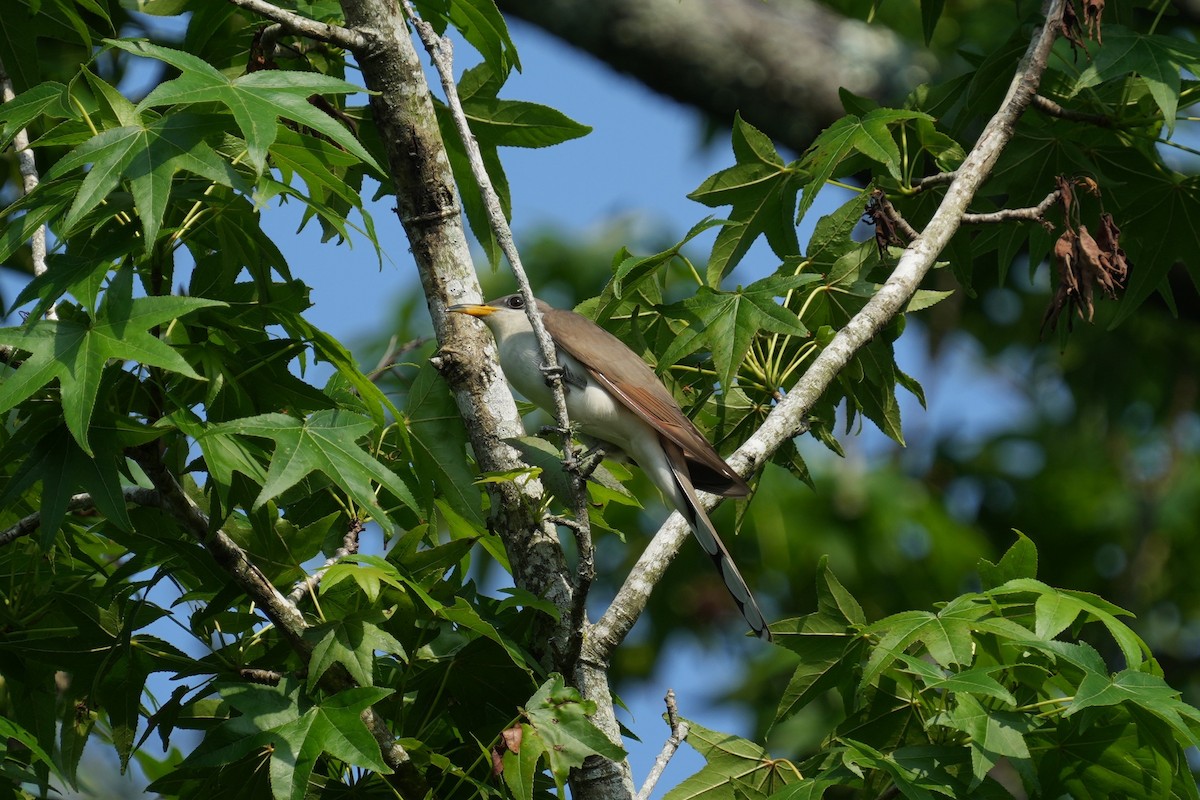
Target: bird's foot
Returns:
[553, 374]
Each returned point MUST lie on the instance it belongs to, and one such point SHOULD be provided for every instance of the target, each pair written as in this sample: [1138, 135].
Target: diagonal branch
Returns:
[679, 731]
[427, 205]
[283, 614]
[786, 420]
[303, 26]
[28, 524]
[441, 52]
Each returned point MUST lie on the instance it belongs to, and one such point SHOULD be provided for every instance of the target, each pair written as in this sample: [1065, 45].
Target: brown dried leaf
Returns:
[1068, 281]
[512, 738]
[1109, 239]
[1093, 10]
[1066, 199]
[1089, 261]
[1090, 184]
[1071, 30]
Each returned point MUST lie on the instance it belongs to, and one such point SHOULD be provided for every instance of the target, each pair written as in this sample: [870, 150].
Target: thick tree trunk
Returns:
[779, 64]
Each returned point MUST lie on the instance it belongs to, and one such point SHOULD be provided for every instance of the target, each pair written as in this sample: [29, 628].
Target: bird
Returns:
[615, 398]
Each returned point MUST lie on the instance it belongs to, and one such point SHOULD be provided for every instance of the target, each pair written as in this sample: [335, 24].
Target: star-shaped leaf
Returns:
[76, 350]
[256, 100]
[351, 641]
[729, 321]
[1156, 59]
[870, 135]
[326, 442]
[55, 459]
[762, 191]
[271, 719]
[559, 715]
[993, 734]
[148, 156]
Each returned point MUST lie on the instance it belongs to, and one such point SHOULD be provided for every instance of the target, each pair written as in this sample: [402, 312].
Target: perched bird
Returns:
[614, 397]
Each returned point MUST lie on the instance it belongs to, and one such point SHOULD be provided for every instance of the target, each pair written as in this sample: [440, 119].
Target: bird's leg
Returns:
[587, 462]
[552, 374]
[590, 459]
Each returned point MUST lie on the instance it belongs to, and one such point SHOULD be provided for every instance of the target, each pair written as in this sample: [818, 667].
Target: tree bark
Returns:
[779, 64]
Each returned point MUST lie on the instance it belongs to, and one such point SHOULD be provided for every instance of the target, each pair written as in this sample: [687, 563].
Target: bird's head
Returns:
[504, 315]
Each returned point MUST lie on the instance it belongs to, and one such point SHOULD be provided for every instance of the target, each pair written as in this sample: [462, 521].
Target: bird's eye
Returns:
[516, 301]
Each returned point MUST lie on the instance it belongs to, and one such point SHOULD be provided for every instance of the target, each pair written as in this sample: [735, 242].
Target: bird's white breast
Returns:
[591, 408]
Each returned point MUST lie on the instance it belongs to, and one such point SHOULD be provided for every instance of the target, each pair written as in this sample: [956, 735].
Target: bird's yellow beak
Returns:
[473, 309]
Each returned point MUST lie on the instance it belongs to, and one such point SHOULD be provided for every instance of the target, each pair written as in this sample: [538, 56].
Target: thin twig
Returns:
[679, 732]
[442, 54]
[349, 547]
[1031, 214]
[392, 354]
[1053, 109]
[79, 502]
[303, 26]
[29, 181]
[788, 415]
[929, 181]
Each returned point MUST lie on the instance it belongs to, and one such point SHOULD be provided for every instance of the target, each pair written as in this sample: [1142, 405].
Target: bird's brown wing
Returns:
[630, 379]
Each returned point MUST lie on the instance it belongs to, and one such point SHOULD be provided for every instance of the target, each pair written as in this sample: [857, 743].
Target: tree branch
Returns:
[602, 777]
[310, 584]
[442, 53]
[779, 65]
[1031, 214]
[786, 420]
[303, 26]
[426, 203]
[1053, 109]
[27, 166]
[280, 611]
[79, 502]
[679, 732]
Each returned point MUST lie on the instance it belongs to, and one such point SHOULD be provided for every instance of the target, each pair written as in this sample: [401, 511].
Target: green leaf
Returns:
[64, 469]
[731, 320]
[1146, 691]
[931, 12]
[870, 135]
[560, 717]
[1019, 561]
[76, 351]
[369, 572]
[829, 653]
[520, 767]
[10, 731]
[257, 100]
[325, 442]
[992, 734]
[148, 156]
[351, 641]
[464, 614]
[946, 636]
[517, 123]
[1156, 59]
[439, 444]
[761, 190]
[46, 98]
[296, 733]
[733, 764]
[482, 24]
[1115, 756]
[834, 600]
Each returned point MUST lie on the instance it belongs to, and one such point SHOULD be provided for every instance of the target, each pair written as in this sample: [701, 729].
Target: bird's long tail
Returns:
[706, 534]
